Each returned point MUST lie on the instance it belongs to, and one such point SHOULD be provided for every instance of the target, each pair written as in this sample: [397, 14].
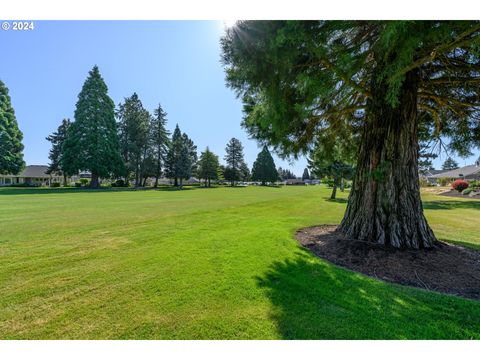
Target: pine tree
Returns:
[208, 167]
[285, 174]
[160, 140]
[56, 152]
[192, 155]
[244, 172]
[380, 80]
[234, 159]
[181, 157]
[92, 144]
[449, 164]
[135, 143]
[306, 175]
[11, 147]
[264, 169]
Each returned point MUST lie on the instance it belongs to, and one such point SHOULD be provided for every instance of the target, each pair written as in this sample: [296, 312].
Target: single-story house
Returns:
[428, 175]
[31, 175]
[470, 172]
[294, 182]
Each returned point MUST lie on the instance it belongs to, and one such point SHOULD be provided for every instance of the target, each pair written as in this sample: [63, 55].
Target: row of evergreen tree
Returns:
[131, 144]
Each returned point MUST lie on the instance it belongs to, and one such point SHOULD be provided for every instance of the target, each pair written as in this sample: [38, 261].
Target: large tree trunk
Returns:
[64, 180]
[384, 205]
[94, 182]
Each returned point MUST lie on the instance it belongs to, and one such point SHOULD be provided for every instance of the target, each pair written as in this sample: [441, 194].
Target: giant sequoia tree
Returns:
[380, 79]
[11, 147]
[92, 142]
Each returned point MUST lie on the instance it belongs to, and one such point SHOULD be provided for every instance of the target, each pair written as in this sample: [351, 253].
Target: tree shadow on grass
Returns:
[451, 204]
[338, 200]
[313, 299]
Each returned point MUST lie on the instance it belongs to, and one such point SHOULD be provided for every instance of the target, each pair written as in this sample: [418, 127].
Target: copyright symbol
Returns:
[5, 25]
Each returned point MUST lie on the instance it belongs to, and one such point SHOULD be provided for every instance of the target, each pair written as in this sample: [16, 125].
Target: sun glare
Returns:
[229, 23]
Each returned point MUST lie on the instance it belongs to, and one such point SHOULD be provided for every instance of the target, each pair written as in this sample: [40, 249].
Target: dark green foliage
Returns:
[235, 161]
[244, 172]
[134, 134]
[323, 71]
[208, 166]
[160, 140]
[449, 164]
[284, 174]
[334, 159]
[264, 169]
[11, 147]
[181, 157]
[306, 175]
[58, 139]
[92, 143]
[119, 183]
[380, 81]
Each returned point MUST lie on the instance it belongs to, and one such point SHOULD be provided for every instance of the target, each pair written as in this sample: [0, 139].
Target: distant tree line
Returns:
[129, 145]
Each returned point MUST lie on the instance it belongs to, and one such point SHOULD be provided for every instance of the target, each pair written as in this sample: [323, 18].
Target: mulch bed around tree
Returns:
[446, 268]
[455, 193]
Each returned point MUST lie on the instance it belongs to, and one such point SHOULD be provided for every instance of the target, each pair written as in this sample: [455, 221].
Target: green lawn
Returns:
[205, 263]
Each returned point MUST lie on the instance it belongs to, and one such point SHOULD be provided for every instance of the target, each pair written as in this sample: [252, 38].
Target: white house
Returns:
[31, 175]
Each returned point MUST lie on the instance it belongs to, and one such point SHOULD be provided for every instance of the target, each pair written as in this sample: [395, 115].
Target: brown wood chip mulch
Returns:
[446, 268]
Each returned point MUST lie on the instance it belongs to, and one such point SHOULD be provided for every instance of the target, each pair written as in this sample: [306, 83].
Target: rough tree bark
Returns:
[384, 205]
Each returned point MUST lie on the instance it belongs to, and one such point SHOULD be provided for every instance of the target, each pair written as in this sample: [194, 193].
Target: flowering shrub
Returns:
[459, 185]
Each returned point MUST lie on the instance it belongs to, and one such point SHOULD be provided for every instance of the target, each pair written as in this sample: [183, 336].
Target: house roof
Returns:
[34, 171]
[460, 172]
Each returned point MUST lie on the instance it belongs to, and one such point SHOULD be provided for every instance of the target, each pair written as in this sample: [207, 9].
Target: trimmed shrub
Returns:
[460, 185]
[424, 182]
[119, 183]
[56, 184]
[474, 184]
[78, 184]
[84, 182]
[467, 191]
[444, 181]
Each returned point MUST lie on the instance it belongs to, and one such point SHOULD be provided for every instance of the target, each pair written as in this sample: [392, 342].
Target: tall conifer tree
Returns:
[379, 79]
[208, 166]
[56, 152]
[234, 159]
[135, 141]
[264, 169]
[160, 141]
[92, 144]
[11, 147]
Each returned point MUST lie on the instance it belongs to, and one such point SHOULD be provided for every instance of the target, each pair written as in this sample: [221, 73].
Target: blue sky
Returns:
[176, 63]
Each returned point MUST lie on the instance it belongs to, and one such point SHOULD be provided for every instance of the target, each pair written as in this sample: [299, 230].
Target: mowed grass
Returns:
[206, 264]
